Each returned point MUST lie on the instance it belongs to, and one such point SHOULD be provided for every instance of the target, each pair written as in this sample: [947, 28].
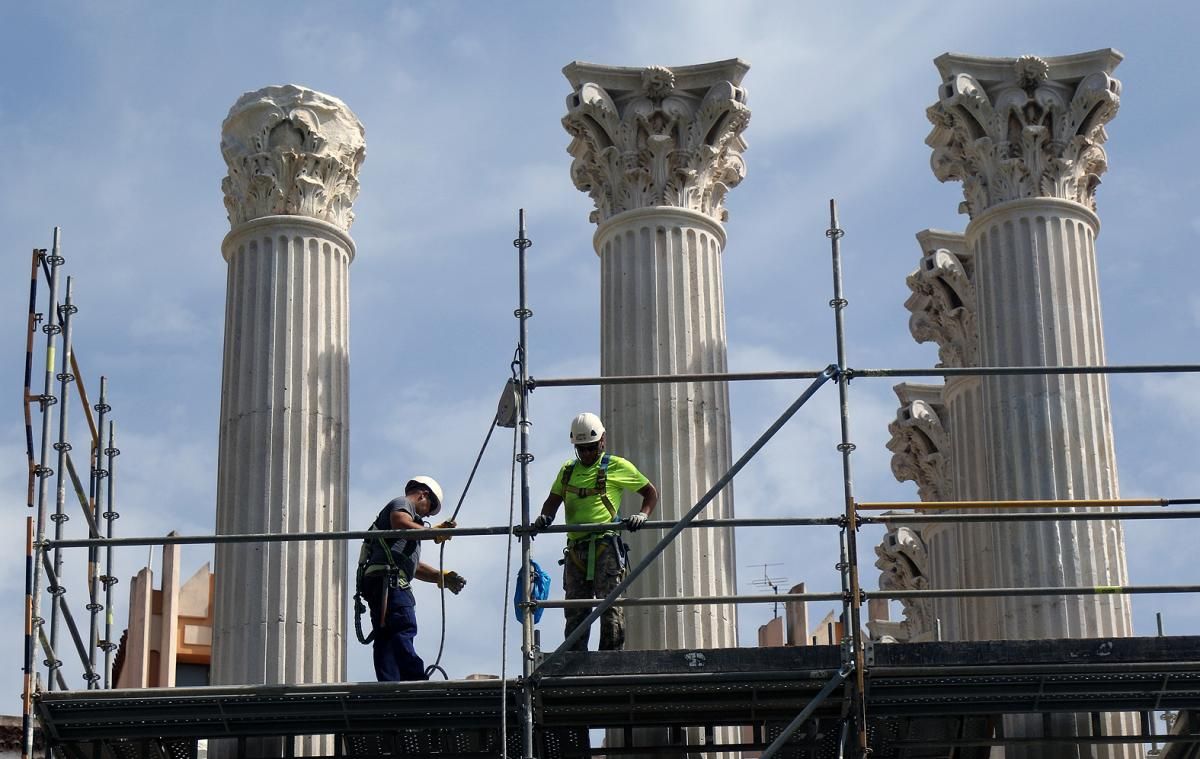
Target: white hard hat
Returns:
[425, 480]
[586, 429]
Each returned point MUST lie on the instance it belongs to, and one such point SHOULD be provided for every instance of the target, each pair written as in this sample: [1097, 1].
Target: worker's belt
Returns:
[592, 539]
[400, 581]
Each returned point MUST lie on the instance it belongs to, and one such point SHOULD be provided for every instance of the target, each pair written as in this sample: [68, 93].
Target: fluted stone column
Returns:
[657, 149]
[293, 157]
[1025, 136]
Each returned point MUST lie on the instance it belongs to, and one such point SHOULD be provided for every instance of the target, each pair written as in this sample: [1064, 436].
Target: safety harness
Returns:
[592, 538]
[396, 577]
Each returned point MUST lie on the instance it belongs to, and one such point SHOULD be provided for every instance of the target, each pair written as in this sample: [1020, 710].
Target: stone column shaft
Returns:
[283, 453]
[279, 608]
[1040, 306]
[662, 312]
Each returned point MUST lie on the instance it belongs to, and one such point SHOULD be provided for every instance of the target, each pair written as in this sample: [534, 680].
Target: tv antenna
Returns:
[767, 581]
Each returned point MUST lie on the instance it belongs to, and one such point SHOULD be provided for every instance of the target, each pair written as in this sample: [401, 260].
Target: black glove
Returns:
[539, 524]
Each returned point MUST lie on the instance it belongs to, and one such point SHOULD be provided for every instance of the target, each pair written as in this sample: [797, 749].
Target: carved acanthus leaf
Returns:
[942, 304]
[903, 561]
[920, 441]
[650, 142]
[1024, 130]
[291, 151]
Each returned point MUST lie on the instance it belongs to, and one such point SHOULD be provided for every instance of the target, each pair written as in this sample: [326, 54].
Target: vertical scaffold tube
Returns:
[528, 652]
[99, 474]
[36, 260]
[110, 515]
[51, 328]
[62, 446]
[27, 679]
[852, 603]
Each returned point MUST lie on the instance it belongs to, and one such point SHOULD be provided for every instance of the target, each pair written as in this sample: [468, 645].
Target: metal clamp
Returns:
[102, 408]
[46, 401]
[112, 452]
[524, 458]
[55, 260]
[60, 518]
[51, 329]
[838, 303]
[62, 447]
[108, 581]
[94, 607]
[111, 515]
[99, 474]
[522, 243]
[846, 447]
[523, 313]
[42, 471]
[65, 377]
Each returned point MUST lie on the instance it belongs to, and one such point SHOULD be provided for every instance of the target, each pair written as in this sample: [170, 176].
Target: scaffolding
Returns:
[853, 698]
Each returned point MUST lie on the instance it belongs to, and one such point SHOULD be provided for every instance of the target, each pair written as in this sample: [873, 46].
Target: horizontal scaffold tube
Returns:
[426, 532]
[761, 598]
[1031, 516]
[966, 371]
[893, 595]
[1032, 504]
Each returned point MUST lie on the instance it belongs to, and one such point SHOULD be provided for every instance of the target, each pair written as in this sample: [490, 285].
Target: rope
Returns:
[512, 500]
[437, 664]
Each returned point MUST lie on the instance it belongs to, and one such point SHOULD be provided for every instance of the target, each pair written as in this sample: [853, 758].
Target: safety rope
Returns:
[437, 664]
[512, 500]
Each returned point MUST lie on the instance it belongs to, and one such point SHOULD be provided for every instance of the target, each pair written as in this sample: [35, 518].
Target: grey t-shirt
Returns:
[405, 553]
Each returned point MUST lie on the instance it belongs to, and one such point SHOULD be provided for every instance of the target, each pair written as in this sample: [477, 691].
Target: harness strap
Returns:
[600, 489]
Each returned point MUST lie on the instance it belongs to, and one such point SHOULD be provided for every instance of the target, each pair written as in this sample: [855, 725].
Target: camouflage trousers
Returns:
[609, 571]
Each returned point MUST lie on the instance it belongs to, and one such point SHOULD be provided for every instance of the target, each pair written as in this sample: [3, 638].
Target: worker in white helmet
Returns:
[591, 485]
[386, 570]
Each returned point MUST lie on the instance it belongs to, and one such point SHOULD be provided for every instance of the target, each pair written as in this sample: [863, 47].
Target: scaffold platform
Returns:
[924, 700]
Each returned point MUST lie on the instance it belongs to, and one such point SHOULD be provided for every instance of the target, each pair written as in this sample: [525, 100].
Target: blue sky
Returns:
[111, 115]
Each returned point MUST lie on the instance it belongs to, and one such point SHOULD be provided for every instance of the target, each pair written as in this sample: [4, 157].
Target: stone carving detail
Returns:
[920, 442]
[942, 303]
[656, 137]
[904, 563]
[1023, 128]
[291, 151]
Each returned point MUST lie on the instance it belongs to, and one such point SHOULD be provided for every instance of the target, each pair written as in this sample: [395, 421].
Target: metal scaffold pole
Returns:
[852, 603]
[99, 473]
[528, 644]
[47, 400]
[33, 628]
[62, 446]
[110, 515]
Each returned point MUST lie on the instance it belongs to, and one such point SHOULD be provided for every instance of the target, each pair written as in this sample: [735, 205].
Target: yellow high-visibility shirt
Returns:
[622, 475]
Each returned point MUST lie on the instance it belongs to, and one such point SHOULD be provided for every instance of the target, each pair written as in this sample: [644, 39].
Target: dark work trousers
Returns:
[395, 656]
[609, 571]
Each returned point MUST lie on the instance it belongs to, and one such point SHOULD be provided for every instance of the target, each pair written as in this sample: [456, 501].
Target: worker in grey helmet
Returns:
[386, 571]
[591, 485]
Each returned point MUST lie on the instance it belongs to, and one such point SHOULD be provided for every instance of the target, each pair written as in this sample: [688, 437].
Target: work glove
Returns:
[634, 522]
[449, 524]
[452, 581]
[539, 524]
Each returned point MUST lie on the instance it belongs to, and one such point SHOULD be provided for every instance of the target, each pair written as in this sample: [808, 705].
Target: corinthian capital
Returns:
[657, 136]
[1028, 127]
[920, 441]
[942, 303]
[291, 151]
